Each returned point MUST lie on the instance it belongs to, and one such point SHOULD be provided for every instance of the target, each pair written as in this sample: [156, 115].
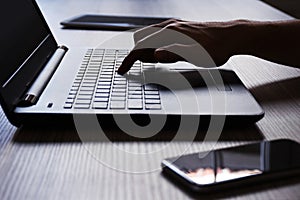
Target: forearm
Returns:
[274, 41]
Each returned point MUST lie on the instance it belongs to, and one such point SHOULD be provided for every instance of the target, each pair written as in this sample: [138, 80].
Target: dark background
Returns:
[291, 7]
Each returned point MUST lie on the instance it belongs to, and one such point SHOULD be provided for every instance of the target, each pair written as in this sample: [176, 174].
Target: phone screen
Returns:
[237, 163]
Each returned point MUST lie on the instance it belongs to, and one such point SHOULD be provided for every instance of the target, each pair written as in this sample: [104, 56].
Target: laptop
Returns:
[43, 80]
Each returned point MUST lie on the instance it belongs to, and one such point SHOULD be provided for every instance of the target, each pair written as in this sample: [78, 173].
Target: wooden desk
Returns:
[52, 163]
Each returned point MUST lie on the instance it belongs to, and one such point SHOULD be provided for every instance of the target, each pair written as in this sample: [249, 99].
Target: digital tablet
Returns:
[110, 22]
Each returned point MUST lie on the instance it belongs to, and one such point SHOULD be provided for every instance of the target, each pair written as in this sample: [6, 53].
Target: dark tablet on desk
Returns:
[110, 22]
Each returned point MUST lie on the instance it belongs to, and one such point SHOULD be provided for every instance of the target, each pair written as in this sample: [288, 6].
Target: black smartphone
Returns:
[236, 166]
[111, 22]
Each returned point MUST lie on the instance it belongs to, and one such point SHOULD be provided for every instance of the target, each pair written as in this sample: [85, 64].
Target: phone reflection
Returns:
[239, 162]
[208, 175]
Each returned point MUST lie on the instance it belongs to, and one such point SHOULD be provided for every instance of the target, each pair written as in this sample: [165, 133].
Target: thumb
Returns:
[169, 54]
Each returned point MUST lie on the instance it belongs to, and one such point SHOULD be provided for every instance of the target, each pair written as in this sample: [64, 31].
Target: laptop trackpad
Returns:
[185, 79]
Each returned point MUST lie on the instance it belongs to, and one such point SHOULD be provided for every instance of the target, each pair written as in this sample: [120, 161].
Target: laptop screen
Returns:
[22, 31]
[26, 46]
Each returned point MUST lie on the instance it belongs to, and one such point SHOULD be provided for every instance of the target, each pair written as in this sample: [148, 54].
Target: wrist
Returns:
[276, 41]
[240, 37]
[249, 37]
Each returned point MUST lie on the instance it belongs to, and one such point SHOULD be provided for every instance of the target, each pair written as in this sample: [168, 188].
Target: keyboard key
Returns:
[136, 64]
[153, 106]
[151, 96]
[71, 96]
[98, 50]
[103, 87]
[118, 94]
[96, 59]
[117, 104]
[135, 92]
[87, 97]
[119, 82]
[68, 105]
[72, 92]
[95, 63]
[135, 104]
[134, 96]
[135, 89]
[148, 66]
[100, 105]
[152, 101]
[87, 89]
[120, 79]
[105, 76]
[90, 79]
[106, 73]
[109, 60]
[150, 87]
[83, 101]
[74, 88]
[119, 90]
[102, 91]
[151, 93]
[135, 84]
[91, 72]
[105, 80]
[107, 69]
[71, 101]
[110, 51]
[92, 85]
[81, 106]
[104, 83]
[119, 86]
[117, 98]
[85, 92]
[91, 76]
[101, 99]
[99, 95]
[118, 75]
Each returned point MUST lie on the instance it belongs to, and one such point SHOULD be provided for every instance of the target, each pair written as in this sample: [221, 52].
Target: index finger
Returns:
[144, 55]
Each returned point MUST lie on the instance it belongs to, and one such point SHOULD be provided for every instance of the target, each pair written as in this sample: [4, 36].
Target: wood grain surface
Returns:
[55, 163]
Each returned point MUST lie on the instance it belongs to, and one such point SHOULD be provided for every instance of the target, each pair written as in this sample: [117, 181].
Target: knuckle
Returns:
[177, 25]
[173, 26]
[172, 20]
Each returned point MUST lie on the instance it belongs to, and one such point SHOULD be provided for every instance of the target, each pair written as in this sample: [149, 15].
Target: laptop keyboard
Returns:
[97, 84]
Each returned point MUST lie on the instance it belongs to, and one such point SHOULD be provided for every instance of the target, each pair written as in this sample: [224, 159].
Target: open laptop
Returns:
[39, 78]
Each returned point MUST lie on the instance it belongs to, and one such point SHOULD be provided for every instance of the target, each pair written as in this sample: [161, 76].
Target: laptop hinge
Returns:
[36, 89]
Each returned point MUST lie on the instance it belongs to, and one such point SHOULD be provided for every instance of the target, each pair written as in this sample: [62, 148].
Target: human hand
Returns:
[202, 44]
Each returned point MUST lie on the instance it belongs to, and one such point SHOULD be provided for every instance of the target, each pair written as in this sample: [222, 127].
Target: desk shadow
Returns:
[237, 190]
[55, 133]
[276, 91]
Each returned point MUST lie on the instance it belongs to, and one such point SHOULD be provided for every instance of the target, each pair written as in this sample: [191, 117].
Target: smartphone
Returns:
[235, 166]
[111, 22]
